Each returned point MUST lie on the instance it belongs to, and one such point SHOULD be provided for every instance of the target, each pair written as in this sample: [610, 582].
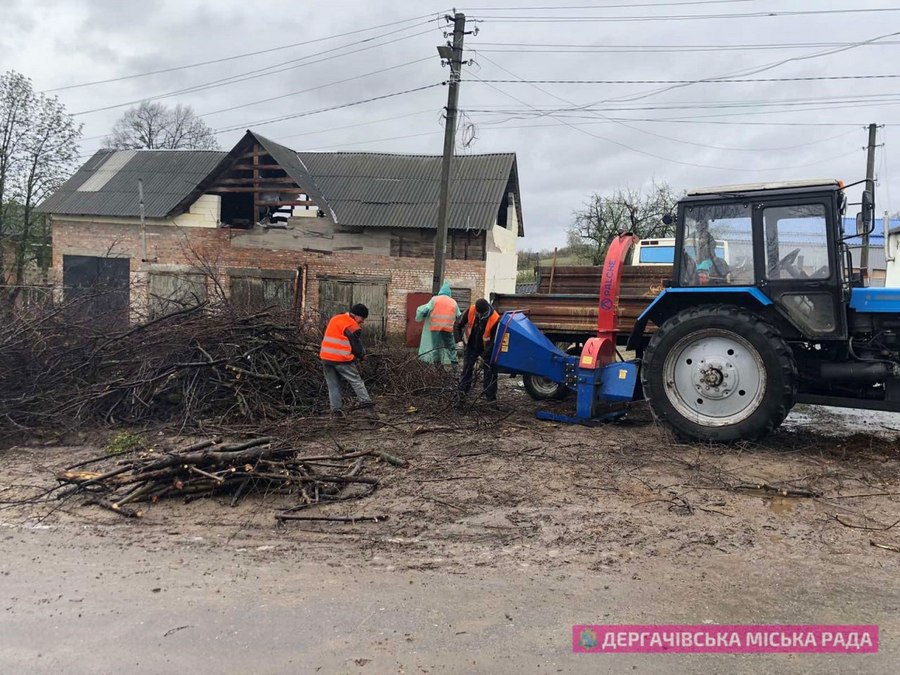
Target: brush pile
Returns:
[197, 368]
[208, 468]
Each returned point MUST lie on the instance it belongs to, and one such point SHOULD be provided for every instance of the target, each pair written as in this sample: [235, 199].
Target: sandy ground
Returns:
[499, 537]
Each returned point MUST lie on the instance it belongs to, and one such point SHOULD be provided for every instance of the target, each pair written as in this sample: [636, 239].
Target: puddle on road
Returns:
[780, 505]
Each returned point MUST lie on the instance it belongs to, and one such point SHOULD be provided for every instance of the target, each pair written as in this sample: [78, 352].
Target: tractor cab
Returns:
[784, 242]
[729, 347]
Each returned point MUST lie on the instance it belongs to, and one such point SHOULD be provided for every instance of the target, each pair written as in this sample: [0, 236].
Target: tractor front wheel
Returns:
[719, 373]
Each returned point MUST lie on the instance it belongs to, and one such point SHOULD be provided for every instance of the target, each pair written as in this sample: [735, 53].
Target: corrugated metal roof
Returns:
[288, 160]
[386, 190]
[103, 187]
[358, 188]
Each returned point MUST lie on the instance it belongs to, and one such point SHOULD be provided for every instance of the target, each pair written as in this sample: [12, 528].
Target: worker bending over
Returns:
[477, 329]
[341, 347]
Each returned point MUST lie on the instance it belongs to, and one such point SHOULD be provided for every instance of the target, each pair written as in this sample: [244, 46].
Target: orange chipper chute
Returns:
[601, 350]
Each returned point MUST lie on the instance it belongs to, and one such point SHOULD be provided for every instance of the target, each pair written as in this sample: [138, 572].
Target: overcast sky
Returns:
[571, 139]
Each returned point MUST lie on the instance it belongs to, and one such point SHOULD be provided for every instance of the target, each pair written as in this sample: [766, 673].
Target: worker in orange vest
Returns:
[341, 348]
[440, 314]
[476, 329]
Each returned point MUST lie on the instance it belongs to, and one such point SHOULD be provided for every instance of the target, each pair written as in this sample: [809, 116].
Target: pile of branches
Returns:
[197, 367]
[209, 468]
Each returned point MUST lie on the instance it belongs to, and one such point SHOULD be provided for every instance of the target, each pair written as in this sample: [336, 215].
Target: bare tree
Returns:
[38, 148]
[603, 217]
[155, 126]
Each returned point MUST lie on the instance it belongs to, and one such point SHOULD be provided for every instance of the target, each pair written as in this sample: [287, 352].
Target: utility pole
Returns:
[454, 54]
[870, 187]
[143, 222]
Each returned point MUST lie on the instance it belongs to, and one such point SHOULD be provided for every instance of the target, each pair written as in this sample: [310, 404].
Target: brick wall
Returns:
[191, 247]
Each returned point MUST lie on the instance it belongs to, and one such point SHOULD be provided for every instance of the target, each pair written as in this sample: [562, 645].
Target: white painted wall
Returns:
[501, 256]
[205, 212]
[892, 275]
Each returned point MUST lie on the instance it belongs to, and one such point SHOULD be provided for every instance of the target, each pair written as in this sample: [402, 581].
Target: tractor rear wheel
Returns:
[719, 373]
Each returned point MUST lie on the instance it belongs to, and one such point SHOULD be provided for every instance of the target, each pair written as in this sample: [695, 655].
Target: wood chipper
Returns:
[601, 384]
[738, 341]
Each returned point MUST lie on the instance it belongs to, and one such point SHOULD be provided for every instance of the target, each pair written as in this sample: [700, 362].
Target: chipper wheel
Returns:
[719, 373]
[544, 389]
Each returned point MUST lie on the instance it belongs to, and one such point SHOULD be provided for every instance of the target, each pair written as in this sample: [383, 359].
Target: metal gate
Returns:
[339, 295]
[100, 283]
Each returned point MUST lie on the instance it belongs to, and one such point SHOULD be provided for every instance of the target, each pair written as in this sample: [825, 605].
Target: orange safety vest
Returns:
[335, 345]
[489, 327]
[443, 314]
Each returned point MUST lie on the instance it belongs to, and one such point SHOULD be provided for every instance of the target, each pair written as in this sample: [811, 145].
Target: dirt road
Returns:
[490, 553]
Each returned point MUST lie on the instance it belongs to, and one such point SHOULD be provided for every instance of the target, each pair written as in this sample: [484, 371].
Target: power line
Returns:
[683, 17]
[259, 123]
[628, 5]
[716, 81]
[358, 124]
[756, 69]
[612, 120]
[376, 140]
[320, 86]
[320, 131]
[536, 48]
[263, 72]
[655, 155]
[239, 56]
[863, 99]
[672, 120]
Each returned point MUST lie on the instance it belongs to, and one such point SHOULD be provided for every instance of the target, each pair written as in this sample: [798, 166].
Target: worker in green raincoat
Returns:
[440, 314]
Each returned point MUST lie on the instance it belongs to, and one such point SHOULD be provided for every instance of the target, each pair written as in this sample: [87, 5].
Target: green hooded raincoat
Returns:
[436, 346]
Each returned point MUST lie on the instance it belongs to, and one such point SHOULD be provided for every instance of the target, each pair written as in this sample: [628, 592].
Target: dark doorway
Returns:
[101, 285]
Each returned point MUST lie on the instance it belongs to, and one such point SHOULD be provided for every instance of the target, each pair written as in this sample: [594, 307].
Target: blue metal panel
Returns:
[875, 300]
[618, 380]
[522, 348]
[752, 291]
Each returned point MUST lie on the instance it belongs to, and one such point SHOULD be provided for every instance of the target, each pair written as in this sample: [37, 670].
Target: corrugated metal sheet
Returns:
[401, 191]
[169, 176]
[360, 189]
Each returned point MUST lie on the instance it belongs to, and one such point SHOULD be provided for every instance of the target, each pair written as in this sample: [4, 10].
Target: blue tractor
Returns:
[738, 342]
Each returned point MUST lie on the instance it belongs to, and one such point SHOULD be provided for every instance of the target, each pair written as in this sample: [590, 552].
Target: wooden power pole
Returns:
[440, 236]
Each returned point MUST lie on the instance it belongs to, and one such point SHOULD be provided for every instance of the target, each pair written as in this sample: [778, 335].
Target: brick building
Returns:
[263, 223]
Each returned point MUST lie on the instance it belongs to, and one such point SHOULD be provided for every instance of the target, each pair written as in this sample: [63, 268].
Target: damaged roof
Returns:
[368, 189]
[357, 189]
[107, 184]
